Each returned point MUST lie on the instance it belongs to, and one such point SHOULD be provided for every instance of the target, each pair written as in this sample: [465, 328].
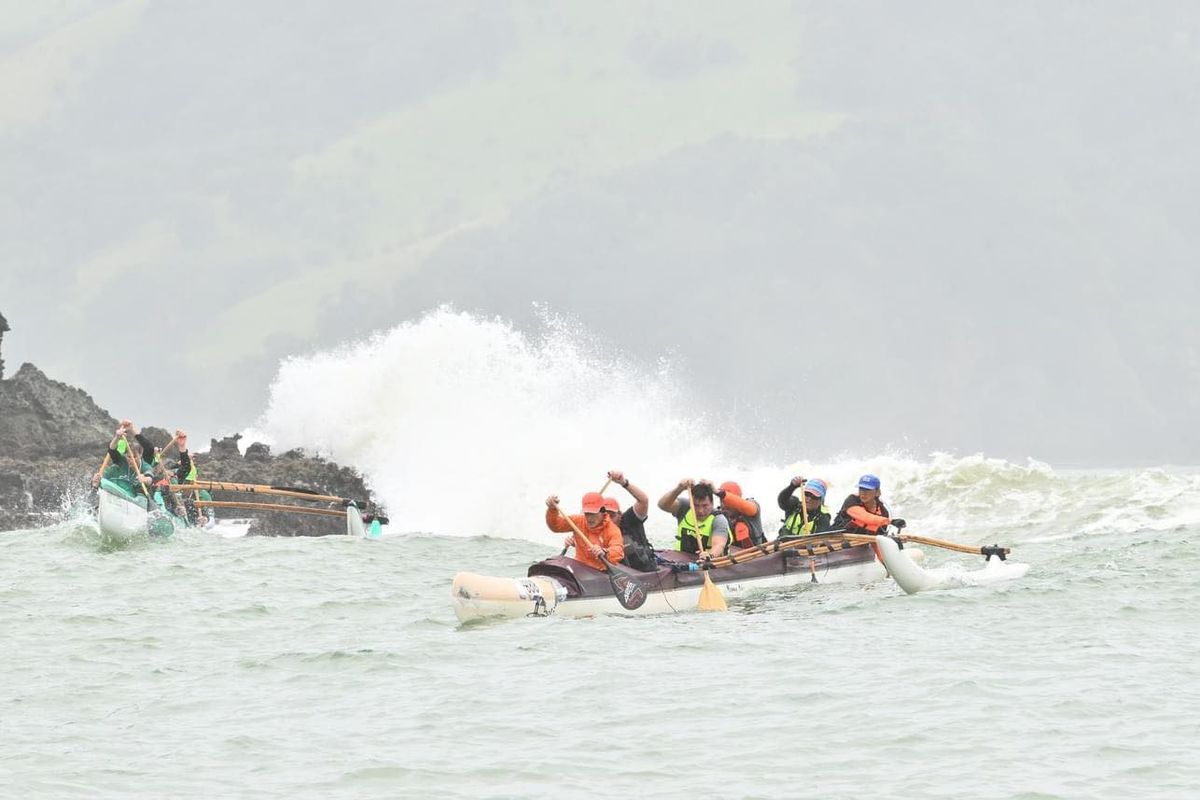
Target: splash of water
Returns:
[463, 425]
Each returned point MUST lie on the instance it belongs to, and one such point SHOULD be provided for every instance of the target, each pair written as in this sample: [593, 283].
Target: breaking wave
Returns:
[463, 425]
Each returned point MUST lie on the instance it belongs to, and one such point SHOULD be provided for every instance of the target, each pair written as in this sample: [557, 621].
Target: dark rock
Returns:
[3, 328]
[53, 438]
[43, 417]
[160, 436]
[226, 446]
[258, 452]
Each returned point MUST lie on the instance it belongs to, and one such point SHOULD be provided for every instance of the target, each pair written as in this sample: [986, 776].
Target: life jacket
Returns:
[744, 531]
[687, 533]
[795, 521]
[639, 553]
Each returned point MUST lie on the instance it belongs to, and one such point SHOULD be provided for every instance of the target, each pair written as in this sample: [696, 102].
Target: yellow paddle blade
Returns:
[711, 598]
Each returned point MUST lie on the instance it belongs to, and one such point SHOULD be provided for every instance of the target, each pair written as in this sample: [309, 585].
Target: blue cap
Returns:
[816, 486]
[868, 482]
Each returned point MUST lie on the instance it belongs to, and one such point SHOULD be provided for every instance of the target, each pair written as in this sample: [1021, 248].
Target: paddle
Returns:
[629, 592]
[170, 444]
[710, 598]
[804, 507]
[137, 470]
[103, 466]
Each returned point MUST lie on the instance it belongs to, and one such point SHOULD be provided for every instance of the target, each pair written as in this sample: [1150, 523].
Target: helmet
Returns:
[729, 487]
[816, 486]
[868, 482]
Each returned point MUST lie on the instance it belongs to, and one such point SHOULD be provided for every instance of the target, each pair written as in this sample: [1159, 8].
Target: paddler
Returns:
[120, 449]
[744, 515]
[602, 536]
[639, 553]
[186, 473]
[698, 530]
[865, 511]
[814, 517]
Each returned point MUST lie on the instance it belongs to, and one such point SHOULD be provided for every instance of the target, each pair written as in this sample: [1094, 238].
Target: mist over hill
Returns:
[960, 226]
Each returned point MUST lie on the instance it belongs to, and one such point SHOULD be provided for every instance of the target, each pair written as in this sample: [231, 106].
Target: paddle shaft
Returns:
[136, 467]
[804, 506]
[578, 533]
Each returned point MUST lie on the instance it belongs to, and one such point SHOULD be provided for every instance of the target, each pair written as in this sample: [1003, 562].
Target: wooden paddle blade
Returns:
[629, 592]
[711, 598]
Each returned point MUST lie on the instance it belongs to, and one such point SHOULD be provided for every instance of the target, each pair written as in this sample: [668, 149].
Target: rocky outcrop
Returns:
[43, 418]
[294, 468]
[53, 438]
[3, 329]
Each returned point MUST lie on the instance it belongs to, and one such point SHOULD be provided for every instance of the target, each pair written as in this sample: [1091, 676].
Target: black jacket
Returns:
[791, 505]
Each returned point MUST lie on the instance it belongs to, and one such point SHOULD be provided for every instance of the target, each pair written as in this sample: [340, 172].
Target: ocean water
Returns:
[335, 668]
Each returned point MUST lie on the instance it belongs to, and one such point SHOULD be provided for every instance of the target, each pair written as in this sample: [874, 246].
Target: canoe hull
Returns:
[564, 587]
[123, 517]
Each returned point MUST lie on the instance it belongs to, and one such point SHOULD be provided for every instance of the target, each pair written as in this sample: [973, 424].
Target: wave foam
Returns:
[463, 425]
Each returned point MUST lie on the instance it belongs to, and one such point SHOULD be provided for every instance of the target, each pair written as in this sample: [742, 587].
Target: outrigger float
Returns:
[123, 515]
[566, 587]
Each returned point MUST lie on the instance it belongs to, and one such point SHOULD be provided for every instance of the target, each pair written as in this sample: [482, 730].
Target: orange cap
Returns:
[729, 487]
[592, 503]
[611, 504]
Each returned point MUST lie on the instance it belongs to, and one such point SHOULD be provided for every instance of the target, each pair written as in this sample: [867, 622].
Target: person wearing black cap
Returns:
[865, 511]
[639, 553]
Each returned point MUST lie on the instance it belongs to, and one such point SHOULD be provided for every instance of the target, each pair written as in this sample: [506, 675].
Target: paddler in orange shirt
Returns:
[865, 511]
[601, 535]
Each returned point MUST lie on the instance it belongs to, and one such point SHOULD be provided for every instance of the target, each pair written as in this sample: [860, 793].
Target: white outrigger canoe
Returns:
[568, 588]
[123, 515]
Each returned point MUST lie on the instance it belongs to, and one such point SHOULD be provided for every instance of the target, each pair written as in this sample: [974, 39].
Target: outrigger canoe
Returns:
[566, 587]
[123, 515]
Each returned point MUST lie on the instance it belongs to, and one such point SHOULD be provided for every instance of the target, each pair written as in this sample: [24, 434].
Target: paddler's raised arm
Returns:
[554, 518]
[747, 508]
[641, 503]
[787, 499]
[115, 450]
[667, 501]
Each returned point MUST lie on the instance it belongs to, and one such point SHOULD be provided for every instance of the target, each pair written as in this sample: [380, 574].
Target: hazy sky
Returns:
[947, 225]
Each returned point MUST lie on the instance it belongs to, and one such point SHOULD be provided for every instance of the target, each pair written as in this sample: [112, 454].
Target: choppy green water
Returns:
[329, 668]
